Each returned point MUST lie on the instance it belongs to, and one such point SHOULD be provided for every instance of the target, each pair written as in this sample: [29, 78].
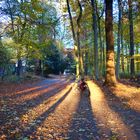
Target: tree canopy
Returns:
[104, 36]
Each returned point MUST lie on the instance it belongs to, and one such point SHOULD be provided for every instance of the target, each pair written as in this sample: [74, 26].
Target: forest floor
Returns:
[53, 109]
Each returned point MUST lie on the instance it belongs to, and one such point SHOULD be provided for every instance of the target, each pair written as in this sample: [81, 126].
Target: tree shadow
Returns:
[130, 117]
[40, 119]
[23, 108]
[129, 83]
[83, 125]
[34, 88]
[32, 91]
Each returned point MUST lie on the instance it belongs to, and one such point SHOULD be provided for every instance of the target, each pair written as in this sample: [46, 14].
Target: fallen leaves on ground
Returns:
[51, 110]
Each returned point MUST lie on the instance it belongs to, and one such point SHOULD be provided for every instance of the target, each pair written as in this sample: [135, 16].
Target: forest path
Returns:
[53, 109]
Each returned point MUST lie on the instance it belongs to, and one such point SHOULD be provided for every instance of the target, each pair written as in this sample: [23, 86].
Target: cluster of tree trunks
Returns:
[107, 61]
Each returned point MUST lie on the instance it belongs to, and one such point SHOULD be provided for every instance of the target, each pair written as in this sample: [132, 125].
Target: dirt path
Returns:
[54, 110]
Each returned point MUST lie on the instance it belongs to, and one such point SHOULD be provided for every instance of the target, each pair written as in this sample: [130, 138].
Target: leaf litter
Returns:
[62, 123]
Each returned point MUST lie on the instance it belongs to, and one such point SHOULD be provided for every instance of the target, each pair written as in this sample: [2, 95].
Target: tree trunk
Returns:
[104, 58]
[94, 15]
[110, 66]
[119, 40]
[86, 63]
[74, 38]
[132, 69]
[85, 54]
[128, 61]
[81, 67]
[101, 48]
[122, 60]
[122, 51]
[19, 66]
[137, 60]
[122, 43]
[38, 69]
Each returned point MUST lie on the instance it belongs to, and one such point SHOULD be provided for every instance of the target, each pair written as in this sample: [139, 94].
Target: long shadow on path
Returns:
[34, 88]
[83, 125]
[40, 119]
[6, 119]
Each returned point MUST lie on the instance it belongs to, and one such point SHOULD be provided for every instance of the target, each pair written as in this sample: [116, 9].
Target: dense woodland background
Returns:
[103, 36]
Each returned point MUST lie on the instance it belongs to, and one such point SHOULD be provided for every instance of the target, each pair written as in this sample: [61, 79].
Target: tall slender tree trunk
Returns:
[81, 67]
[86, 63]
[110, 66]
[128, 61]
[137, 59]
[122, 43]
[132, 67]
[101, 48]
[19, 66]
[104, 57]
[95, 29]
[119, 40]
[122, 57]
[74, 39]
[38, 69]
[85, 53]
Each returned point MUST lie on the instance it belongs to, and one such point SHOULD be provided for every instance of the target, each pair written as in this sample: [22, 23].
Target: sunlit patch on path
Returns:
[109, 122]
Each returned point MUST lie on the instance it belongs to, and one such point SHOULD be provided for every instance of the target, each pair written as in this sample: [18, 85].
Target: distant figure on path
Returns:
[84, 89]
